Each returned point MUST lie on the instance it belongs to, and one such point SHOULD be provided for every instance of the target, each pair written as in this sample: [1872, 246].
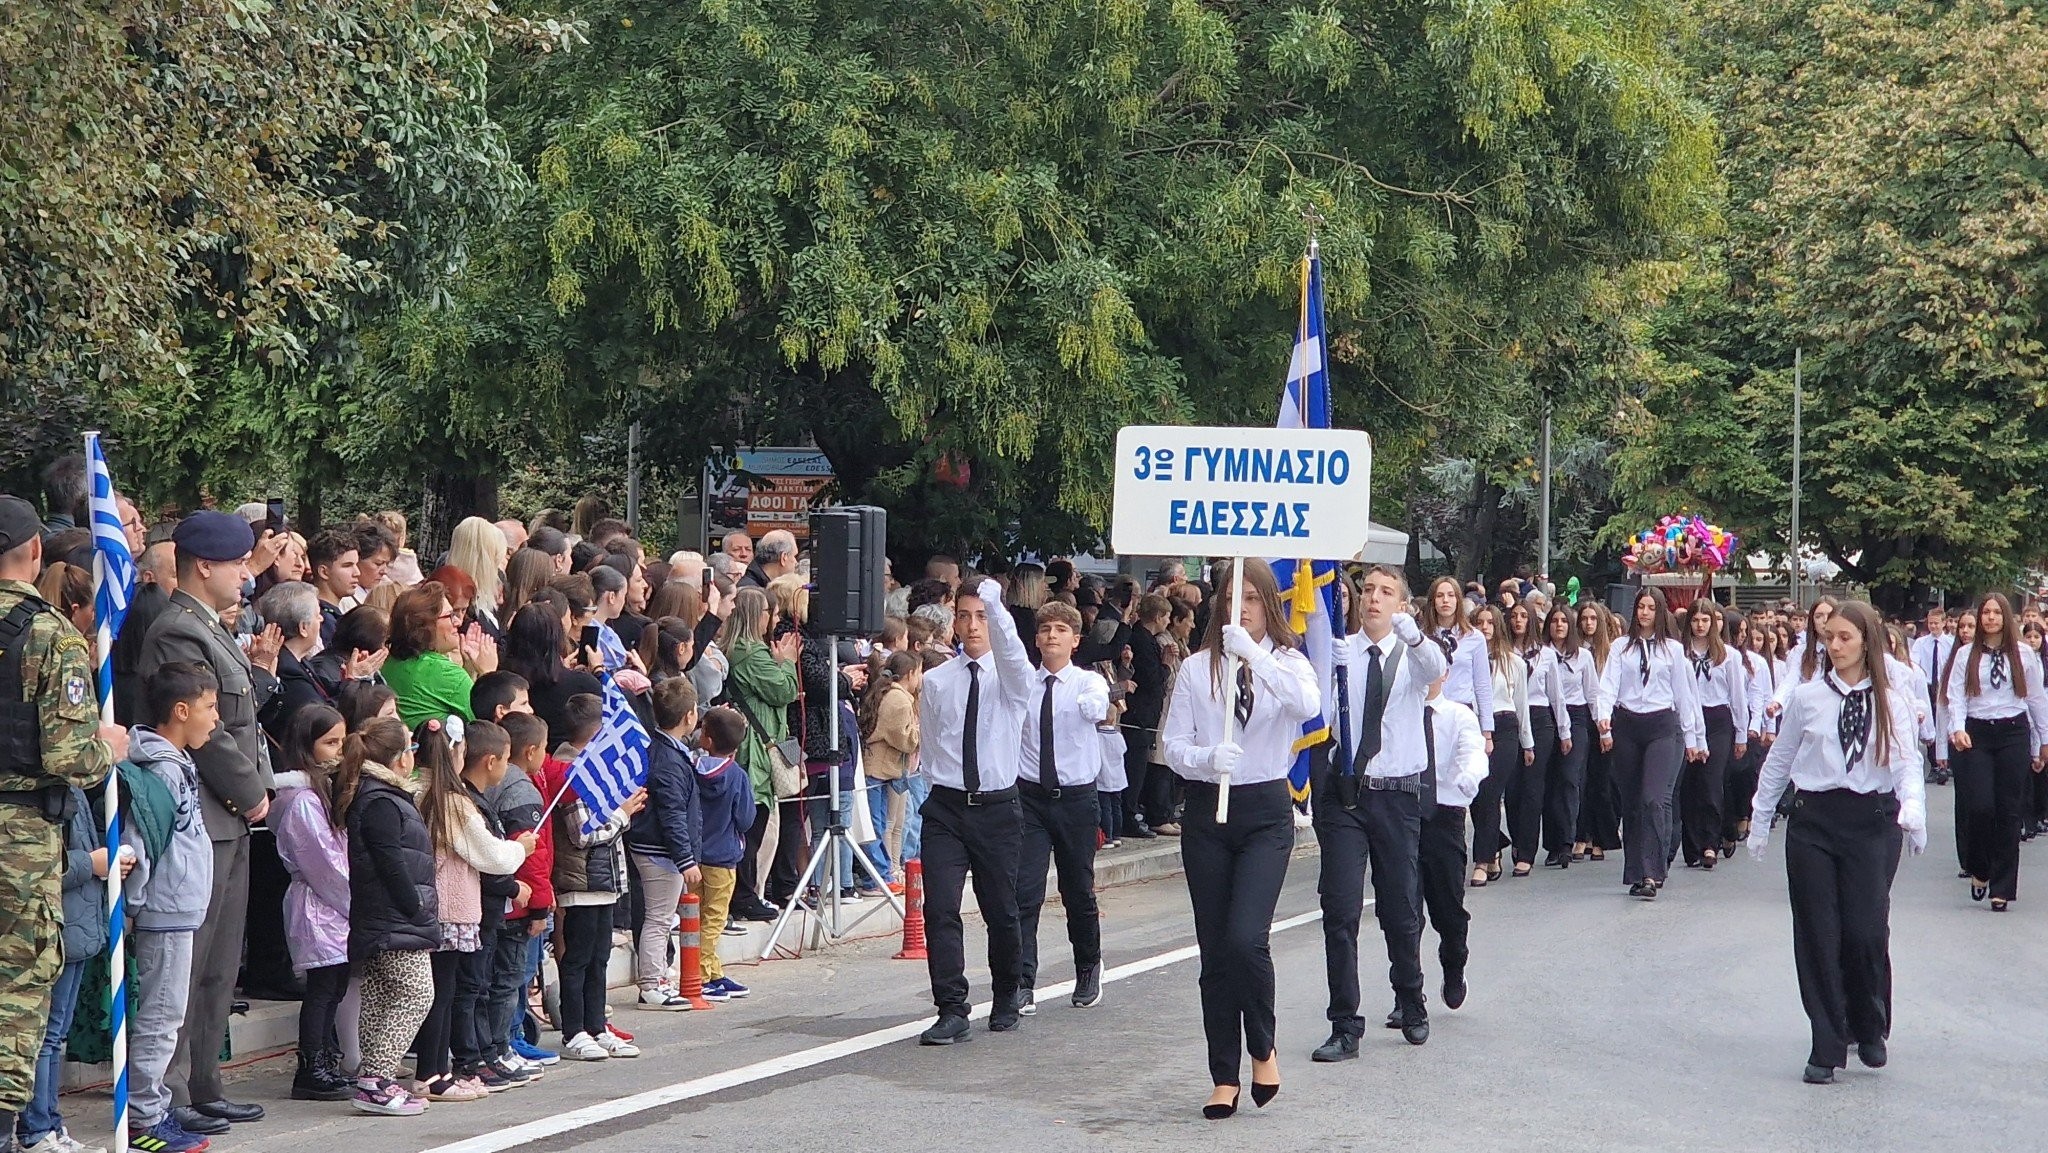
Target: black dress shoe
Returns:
[1454, 989]
[1818, 1075]
[1872, 1054]
[1143, 832]
[1007, 1014]
[1394, 1019]
[1643, 889]
[1088, 987]
[230, 1111]
[1340, 1047]
[193, 1121]
[1219, 1112]
[1416, 1032]
[949, 1030]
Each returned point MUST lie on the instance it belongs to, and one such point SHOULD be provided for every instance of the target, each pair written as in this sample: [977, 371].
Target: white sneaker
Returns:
[660, 1001]
[583, 1047]
[59, 1141]
[616, 1046]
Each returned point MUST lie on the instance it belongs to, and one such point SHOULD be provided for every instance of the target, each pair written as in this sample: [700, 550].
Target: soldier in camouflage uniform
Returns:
[50, 738]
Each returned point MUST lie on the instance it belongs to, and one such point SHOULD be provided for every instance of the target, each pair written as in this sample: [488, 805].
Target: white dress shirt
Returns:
[1461, 762]
[1808, 753]
[1470, 683]
[1905, 676]
[1579, 680]
[1546, 689]
[1726, 686]
[1511, 695]
[1284, 695]
[1761, 688]
[1006, 696]
[1080, 701]
[1668, 686]
[1930, 655]
[1991, 704]
[1401, 750]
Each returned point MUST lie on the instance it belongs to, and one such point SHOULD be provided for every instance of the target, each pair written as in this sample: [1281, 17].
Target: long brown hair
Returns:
[1500, 648]
[440, 778]
[1809, 660]
[1871, 626]
[883, 675]
[380, 740]
[1717, 650]
[1661, 625]
[1569, 647]
[1259, 582]
[1431, 623]
[1969, 615]
[1599, 641]
[2008, 643]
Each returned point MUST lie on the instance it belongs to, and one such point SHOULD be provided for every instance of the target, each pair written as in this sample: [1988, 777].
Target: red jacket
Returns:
[538, 871]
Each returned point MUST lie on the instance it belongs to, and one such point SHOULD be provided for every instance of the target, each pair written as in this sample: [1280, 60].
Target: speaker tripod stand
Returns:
[824, 871]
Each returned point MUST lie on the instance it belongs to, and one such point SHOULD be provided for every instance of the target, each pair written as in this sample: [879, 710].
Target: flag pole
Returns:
[117, 961]
[1230, 688]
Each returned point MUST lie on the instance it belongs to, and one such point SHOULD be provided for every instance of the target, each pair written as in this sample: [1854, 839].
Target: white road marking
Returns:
[605, 1111]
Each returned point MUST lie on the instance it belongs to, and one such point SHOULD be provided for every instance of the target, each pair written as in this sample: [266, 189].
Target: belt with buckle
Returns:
[1053, 794]
[977, 799]
[1412, 783]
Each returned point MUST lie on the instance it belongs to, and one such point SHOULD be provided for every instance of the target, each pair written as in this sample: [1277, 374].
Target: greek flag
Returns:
[613, 766]
[113, 580]
[114, 575]
[1309, 587]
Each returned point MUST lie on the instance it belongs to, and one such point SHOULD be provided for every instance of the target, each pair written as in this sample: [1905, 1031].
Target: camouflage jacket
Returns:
[57, 677]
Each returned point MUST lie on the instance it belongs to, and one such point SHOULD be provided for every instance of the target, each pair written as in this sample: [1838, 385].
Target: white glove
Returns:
[1239, 643]
[1406, 628]
[1913, 819]
[1916, 841]
[1223, 760]
[990, 592]
[1759, 839]
[1468, 783]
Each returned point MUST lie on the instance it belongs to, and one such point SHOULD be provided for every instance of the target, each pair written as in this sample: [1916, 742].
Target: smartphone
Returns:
[590, 636]
[274, 519]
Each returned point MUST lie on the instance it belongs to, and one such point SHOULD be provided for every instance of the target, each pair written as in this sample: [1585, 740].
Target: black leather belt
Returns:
[1033, 788]
[978, 799]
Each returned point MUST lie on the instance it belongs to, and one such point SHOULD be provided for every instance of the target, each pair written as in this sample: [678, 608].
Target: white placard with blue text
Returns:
[1271, 492]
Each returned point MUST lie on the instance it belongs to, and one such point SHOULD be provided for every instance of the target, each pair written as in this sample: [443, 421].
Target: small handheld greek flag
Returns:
[613, 766]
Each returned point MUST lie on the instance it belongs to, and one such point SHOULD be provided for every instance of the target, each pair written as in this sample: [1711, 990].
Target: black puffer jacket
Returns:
[393, 905]
[811, 715]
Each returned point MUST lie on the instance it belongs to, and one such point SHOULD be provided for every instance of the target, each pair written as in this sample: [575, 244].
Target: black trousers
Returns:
[1393, 829]
[790, 846]
[1703, 788]
[325, 987]
[1340, 882]
[1994, 782]
[1599, 806]
[1522, 800]
[1443, 864]
[1234, 874]
[747, 885]
[507, 998]
[1148, 788]
[983, 840]
[431, 1044]
[1736, 798]
[266, 956]
[1841, 852]
[586, 943]
[1648, 750]
[1503, 770]
[1565, 785]
[1059, 831]
[470, 1038]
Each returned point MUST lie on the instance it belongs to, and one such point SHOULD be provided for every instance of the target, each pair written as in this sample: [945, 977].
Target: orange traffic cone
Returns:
[691, 975]
[913, 912]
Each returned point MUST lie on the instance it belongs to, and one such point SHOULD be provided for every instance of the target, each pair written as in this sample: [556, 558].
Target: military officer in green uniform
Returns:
[50, 739]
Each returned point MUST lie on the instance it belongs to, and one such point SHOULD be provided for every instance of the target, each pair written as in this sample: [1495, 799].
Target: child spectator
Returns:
[486, 761]
[589, 875]
[725, 806]
[41, 1128]
[518, 802]
[888, 725]
[394, 912]
[662, 839]
[168, 892]
[316, 904]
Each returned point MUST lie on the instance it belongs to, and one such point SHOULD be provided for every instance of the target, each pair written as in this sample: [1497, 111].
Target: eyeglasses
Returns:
[450, 615]
[413, 747]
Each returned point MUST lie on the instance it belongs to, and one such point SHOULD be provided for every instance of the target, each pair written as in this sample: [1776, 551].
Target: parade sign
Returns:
[1266, 492]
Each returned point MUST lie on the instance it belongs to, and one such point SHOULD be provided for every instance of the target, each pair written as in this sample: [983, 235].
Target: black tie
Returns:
[1643, 658]
[1244, 696]
[1997, 668]
[1374, 712]
[1428, 797]
[1048, 771]
[970, 751]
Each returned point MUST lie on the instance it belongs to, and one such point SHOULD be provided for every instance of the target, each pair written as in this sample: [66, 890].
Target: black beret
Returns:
[215, 536]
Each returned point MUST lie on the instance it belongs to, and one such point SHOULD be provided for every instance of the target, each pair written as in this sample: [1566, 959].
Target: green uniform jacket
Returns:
[766, 686]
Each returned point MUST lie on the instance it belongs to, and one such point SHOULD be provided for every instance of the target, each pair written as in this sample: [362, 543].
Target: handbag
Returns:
[785, 758]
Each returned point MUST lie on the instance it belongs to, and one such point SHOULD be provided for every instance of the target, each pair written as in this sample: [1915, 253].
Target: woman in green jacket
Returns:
[761, 683]
[422, 668]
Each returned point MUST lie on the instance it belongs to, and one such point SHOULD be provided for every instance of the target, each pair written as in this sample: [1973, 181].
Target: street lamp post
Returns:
[1798, 368]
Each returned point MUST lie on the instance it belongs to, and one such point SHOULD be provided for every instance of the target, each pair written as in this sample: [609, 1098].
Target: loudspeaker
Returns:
[849, 560]
[1621, 598]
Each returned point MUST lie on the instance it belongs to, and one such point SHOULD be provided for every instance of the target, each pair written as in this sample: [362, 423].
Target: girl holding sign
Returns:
[1238, 705]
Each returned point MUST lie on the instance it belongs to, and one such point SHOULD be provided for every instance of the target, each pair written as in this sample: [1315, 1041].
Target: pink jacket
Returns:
[315, 853]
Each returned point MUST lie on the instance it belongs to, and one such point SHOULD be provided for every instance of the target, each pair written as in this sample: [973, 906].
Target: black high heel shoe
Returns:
[1218, 1112]
[1264, 1094]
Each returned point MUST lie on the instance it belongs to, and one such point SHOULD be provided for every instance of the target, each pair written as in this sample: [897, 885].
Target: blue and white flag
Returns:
[1309, 587]
[113, 582]
[613, 766]
[114, 566]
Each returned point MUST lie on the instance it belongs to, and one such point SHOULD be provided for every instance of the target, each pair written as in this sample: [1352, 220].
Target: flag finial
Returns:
[1314, 219]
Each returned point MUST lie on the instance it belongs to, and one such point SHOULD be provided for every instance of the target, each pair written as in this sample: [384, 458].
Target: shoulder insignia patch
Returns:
[74, 690]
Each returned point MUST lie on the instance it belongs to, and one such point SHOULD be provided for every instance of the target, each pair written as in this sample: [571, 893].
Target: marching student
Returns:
[969, 715]
[1447, 619]
[1997, 717]
[1599, 826]
[1807, 653]
[1656, 727]
[1750, 645]
[1721, 684]
[1578, 693]
[1384, 670]
[1235, 869]
[1511, 754]
[1944, 755]
[1523, 798]
[1847, 745]
[1058, 765]
[1930, 654]
[1455, 754]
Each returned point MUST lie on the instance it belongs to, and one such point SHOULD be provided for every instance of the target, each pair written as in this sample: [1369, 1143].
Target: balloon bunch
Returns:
[1682, 544]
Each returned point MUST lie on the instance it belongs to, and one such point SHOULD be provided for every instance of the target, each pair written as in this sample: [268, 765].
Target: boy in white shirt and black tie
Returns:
[970, 713]
[1057, 767]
